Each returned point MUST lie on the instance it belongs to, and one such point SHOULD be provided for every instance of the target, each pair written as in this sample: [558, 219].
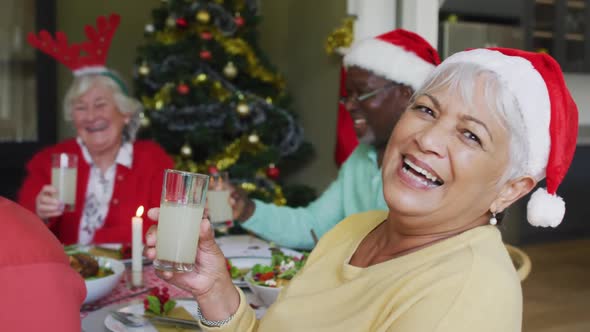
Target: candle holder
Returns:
[135, 279]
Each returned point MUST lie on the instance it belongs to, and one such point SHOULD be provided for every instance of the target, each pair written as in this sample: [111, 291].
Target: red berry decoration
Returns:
[181, 22]
[205, 55]
[206, 35]
[239, 21]
[183, 89]
[273, 172]
[213, 169]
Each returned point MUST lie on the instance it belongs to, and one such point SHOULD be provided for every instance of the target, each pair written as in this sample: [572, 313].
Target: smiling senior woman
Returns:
[481, 132]
[116, 173]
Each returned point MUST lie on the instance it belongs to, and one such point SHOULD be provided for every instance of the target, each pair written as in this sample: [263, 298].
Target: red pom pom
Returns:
[205, 55]
[273, 172]
[183, 89]
[239, 21]
[206, 35]
[181, 23]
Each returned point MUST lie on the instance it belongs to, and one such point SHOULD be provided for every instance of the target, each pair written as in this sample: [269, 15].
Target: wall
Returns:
[72, 15]
[293, 33]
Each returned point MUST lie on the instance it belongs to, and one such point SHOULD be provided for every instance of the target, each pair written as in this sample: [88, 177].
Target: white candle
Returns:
[136, 243]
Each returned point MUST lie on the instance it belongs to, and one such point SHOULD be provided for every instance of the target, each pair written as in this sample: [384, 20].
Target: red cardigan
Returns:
[139, 185]
[40, 291]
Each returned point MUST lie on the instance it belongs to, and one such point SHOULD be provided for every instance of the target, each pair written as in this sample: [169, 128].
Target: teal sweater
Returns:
[358, 188]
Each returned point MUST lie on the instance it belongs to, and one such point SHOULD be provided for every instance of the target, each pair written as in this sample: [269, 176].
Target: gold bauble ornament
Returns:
[203, 16]
[186, 150]
[144, 69]
[243, 109]
[269, 100]
[170, 22]
[202, 78]
[253, 139]
[230, 70]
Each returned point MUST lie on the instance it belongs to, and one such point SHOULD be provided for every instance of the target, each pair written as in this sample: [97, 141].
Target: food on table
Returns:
[122, 253]
[158, 302]
[88, 266]
[236, 273]
[281, 270]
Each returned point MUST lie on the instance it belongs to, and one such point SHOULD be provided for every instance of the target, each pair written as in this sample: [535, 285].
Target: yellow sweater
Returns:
[465, 283]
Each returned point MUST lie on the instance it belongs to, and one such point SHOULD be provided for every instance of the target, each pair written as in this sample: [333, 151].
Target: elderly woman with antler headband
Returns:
[116, 173]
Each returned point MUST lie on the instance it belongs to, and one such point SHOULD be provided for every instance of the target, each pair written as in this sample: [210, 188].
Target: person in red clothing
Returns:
[40, 292]
[116, 174]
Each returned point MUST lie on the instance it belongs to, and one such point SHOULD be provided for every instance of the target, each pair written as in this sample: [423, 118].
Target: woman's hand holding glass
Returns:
[46, 203]
[209, 282]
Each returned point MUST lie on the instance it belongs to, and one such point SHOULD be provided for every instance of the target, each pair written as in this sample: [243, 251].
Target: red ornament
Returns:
[205, 55]
[181, 22]
[183, 89]
[239, 21]
[206, 35]
[273, 172]
[213, 169]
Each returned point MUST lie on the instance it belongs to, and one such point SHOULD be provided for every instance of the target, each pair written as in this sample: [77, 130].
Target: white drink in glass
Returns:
[219, 208]
[178, 234]
[64, 180]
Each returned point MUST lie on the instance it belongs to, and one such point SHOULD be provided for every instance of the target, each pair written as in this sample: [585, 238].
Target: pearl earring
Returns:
[493, 220]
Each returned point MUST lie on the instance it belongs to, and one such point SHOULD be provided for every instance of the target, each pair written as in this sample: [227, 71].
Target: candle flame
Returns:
[139, 211]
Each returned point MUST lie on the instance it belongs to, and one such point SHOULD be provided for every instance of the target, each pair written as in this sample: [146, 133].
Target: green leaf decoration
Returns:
[154, 306]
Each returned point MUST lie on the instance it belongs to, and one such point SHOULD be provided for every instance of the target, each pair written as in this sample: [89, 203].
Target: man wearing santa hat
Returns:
[382, 74]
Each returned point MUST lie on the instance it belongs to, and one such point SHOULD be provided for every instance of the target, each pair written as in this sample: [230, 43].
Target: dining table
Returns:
[123, 294]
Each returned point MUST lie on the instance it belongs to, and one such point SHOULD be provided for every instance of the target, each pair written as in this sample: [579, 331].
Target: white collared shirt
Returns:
[99, 191]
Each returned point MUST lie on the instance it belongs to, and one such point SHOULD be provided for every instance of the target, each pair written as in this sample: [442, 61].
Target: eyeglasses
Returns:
[365, 96]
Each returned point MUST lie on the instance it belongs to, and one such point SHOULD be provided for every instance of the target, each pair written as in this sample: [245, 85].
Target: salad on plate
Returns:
[281, 270]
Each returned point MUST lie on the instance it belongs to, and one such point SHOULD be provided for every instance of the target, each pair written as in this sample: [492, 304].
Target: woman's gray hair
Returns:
[461, 79]
[125, 104]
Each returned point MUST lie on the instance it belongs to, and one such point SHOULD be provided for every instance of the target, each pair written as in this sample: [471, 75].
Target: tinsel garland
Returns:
[341, 37]
[238, 46]
[227, 158]
[232, 45]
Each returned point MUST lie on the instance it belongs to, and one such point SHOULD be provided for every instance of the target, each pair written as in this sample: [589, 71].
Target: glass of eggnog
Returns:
[64, 171]
[181, 210]
[218, 198]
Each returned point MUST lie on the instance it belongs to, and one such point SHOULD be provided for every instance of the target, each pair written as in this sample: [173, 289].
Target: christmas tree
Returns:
[213, 100]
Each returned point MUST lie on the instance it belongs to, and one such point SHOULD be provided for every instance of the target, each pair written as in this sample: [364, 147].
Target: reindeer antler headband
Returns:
[96, 48]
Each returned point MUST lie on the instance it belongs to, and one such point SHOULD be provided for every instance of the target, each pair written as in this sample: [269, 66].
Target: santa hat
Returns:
[550, 117]
[399, 55]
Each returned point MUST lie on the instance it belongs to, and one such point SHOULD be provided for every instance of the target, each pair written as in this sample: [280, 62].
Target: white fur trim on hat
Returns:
[525, 82]
[90, 70]
[544, 209]
[389, 61]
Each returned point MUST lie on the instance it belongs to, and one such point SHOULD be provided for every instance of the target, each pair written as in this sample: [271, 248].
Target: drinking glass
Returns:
[218, 198]
[181, 210]
[64, 171]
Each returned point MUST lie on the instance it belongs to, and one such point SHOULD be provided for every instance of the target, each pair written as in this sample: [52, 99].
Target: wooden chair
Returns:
[521, 261]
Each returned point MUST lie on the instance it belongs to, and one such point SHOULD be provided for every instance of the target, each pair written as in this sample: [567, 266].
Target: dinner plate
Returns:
[245, 251]
[116, 326]
[108, 246]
